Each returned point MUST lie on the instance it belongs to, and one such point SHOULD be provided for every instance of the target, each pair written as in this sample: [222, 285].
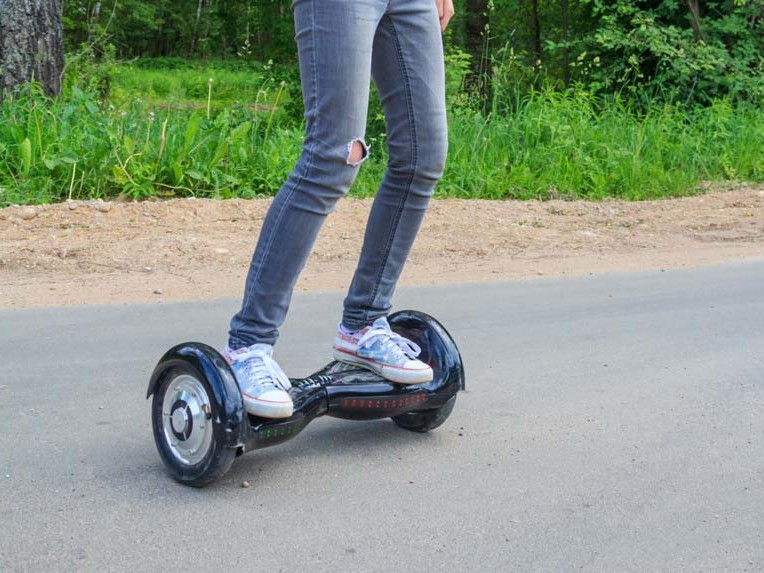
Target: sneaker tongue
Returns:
[266, 349]
[381, 322]
[262, 349]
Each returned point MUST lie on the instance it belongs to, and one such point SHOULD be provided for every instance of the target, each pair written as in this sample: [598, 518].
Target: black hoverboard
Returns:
[200, 424]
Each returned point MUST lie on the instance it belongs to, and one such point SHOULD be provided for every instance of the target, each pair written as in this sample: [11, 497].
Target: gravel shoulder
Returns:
[91, 252]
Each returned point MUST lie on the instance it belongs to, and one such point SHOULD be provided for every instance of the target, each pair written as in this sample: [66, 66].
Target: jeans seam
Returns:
[410, 179]
[313, 139]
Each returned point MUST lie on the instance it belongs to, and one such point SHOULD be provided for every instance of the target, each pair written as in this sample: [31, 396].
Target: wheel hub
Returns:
[179, 419]
[185, 419]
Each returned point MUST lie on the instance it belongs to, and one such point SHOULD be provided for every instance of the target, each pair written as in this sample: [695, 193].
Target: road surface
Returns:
[610, 423]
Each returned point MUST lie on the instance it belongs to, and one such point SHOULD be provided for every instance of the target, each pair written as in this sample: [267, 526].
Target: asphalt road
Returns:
[611, 423]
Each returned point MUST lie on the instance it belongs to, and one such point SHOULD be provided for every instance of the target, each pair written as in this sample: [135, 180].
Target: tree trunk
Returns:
[694, 8]
[478, 30]
[94, 13]
[477, 20]
[197, 24]
[31, 44]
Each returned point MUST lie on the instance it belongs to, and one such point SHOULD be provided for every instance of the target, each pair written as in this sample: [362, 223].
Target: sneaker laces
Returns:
[400, 346]
[260, 363]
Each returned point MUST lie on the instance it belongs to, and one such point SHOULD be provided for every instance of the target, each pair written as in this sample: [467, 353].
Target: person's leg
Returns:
[335, 39]
[408, 70]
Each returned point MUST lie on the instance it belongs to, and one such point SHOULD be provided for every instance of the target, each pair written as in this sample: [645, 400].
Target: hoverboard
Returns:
[200, 425]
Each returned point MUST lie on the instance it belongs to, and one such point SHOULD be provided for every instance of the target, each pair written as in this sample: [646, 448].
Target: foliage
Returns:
[686, 51]
[183, 28]
[575, 145]
[657, 52]
[77, 146]
[572, 98]
[547, 144]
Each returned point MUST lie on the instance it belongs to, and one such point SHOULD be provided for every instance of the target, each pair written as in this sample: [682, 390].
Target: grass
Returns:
[556, 145]
[165, 133]
[190, 88]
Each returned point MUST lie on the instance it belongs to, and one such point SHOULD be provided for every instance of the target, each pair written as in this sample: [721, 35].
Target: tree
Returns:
[478, 45]
[31, 44]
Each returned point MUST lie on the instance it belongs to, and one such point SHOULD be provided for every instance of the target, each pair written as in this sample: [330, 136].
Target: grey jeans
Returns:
[341, 45]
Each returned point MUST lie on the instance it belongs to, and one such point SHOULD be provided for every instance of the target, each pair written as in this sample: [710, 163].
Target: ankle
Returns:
[244, 353]
[345, 330]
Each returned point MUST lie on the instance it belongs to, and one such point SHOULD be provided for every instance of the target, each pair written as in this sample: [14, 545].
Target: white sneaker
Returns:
[263, 384]
[380, 349]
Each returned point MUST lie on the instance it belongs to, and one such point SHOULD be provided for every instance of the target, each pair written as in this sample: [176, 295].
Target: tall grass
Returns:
[186, 136]
[74, 148]
[572, 145]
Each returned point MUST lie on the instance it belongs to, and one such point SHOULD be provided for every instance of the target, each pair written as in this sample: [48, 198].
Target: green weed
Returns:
[167, 134]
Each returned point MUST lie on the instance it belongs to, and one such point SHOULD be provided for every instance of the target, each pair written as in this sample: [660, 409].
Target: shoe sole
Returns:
[392, 373]
[266, 409]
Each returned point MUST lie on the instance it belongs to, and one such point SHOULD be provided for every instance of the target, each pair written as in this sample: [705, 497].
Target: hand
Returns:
[445, 11]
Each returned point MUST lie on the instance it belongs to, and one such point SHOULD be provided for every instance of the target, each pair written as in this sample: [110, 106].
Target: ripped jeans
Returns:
[342, 44]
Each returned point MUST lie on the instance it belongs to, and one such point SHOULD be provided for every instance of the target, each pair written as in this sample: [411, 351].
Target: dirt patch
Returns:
[185, 249]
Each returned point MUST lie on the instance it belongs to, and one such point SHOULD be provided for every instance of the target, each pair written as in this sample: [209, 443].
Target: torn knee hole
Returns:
[358, 152]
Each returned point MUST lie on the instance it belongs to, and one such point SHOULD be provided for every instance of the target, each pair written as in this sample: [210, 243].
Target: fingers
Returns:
[445, 12]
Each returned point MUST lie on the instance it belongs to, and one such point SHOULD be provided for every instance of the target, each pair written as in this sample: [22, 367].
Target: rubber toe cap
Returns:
[270, 404]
